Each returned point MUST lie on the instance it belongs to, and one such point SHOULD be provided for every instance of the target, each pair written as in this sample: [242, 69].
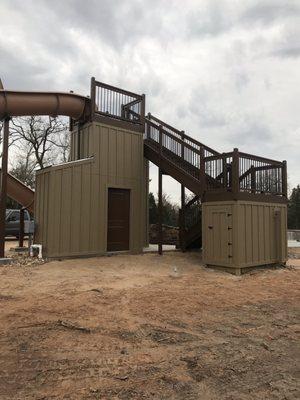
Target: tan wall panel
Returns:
[257, 237]
[76, 196]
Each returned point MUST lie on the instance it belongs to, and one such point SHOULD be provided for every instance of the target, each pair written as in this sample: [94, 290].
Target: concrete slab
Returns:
[154, 248]
[293, 243]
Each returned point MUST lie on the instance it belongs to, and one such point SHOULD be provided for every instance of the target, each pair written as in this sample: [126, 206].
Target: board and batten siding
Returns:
[255, 234]
[71, 199]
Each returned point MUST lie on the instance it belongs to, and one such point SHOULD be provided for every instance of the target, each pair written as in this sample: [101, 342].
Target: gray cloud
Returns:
[226, 72]
[270, 11]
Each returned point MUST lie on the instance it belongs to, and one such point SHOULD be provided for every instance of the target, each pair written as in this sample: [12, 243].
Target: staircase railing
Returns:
[172, 142]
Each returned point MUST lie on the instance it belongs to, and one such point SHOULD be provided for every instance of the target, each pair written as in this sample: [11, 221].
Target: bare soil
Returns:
[147, 327]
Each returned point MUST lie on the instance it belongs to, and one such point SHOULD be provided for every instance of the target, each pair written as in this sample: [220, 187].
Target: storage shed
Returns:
[243, 234]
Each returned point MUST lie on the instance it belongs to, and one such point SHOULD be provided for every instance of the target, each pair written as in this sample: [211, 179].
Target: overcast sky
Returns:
[225, 71]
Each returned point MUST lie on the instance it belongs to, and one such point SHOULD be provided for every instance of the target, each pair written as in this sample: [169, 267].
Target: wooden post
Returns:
[235, 172]
[143, 108]
[71, 124]
[253, 179]
[225, 178]
[284, 179]
[93, 98]
[182, 211]
[182, 219]
[21, 232]
[148, 130]
[160, 233]
[4, 186]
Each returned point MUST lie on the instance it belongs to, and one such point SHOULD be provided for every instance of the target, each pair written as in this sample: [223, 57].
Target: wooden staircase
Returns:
[183, 158]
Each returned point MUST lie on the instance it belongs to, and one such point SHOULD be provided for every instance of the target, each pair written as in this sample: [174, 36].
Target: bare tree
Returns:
[63, 145]
[24, 167]
[40, 135]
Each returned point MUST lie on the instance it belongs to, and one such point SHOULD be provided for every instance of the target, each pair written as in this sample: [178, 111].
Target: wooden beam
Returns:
[3, 186]
[160, 233]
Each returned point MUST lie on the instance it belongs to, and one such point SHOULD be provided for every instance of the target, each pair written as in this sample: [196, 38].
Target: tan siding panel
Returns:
[76, 213]
[66, 208]
[255, 238]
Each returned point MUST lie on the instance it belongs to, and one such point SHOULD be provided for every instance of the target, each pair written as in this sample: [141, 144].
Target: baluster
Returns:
[253, 179]
[202, 169]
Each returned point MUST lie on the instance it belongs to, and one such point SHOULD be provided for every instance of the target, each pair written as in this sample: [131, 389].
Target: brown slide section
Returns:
[15, 103]
[19, 192]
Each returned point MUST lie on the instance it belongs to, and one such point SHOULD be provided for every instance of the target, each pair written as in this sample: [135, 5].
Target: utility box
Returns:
[243, 234]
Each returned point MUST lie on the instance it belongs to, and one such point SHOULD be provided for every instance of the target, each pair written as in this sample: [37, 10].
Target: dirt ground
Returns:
[147, 327]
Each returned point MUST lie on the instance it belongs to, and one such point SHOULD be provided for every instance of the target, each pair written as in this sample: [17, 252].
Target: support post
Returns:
[143, 108]
[160, 233]
[284, 179]
[182, 219]
[235, 172]
[71, 122]
[4, 186]
[93, 98]
[21, 232]
[148, 131]
[225, 177]
[182, 211]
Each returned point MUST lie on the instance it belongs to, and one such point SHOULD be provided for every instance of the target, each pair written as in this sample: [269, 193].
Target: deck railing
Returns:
[241, 172]
[113, 102]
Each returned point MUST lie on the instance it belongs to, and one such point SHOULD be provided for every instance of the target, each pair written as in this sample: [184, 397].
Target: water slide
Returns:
[17, 104]
[19, 192]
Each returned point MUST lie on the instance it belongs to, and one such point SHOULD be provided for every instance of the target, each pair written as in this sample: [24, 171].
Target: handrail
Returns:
[178, 140]
[118, 90]
[259, 158]
[182, 134]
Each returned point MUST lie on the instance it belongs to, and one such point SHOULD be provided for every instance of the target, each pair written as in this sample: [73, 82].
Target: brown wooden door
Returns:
[219, 235]
[118, 219]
